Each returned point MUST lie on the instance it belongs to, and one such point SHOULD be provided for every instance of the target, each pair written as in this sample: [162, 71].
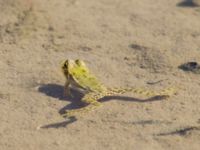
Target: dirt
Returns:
[124, 43]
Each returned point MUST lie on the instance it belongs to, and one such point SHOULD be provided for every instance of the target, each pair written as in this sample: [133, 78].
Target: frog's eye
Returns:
[77, 61]
[65, 64]
[80, 62]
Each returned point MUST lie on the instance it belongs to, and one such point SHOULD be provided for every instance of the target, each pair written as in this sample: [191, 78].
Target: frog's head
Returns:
[71, 63]
[68, 65]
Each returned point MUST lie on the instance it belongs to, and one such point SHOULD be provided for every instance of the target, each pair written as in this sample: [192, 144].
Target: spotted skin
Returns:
[78, 76]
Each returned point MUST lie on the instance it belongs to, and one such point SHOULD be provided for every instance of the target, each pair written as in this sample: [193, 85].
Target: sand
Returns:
[136, 43]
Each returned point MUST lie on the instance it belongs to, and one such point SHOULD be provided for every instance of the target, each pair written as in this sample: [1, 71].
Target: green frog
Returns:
[79, 76]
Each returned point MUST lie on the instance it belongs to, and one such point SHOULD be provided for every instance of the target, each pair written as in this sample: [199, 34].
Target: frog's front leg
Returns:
[91, 102]
[67, 88]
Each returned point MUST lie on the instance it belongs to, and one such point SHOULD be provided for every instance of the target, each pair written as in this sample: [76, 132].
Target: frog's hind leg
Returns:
[91, 102]
[145, 92]
[141, 91]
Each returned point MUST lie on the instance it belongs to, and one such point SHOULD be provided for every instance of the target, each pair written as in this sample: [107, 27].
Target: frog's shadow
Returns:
[56, 91]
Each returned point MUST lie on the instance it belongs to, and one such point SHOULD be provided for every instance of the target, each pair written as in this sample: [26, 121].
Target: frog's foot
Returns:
[168, 91]
[68, 93]
[81, 111]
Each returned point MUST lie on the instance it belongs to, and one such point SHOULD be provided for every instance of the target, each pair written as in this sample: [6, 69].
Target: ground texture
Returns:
[137, 43]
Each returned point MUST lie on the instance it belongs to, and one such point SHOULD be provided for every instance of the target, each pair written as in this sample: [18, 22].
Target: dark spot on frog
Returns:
[83, 70]
[73, 74]
[84, 76]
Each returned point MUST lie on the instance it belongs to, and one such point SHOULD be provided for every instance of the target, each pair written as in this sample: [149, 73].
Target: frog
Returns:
[79, 76]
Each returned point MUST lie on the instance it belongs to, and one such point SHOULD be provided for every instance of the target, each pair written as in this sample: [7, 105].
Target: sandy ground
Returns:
[125, 43]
